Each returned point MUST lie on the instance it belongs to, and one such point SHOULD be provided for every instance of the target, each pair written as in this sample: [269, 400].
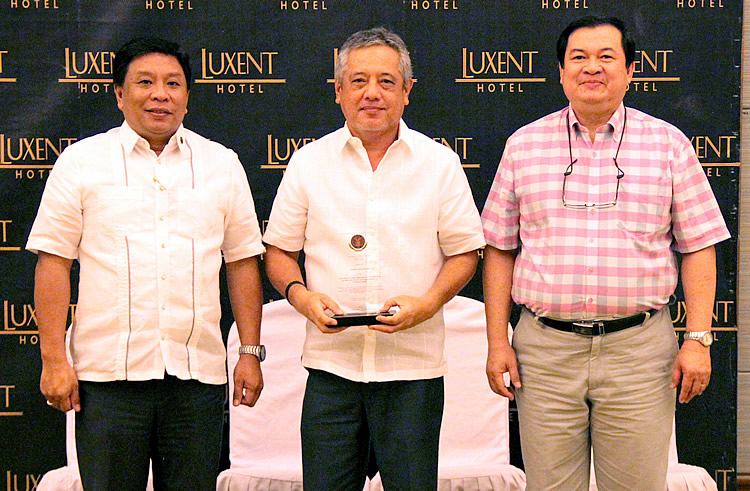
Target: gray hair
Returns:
[378, 36]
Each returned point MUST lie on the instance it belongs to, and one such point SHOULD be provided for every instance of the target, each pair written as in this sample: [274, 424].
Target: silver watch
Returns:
[703, 337]
[258, 351]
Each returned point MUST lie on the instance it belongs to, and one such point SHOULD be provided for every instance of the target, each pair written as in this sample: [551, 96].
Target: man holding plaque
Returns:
[387, 222]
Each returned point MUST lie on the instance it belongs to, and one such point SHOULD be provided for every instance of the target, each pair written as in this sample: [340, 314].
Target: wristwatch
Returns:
[703, 337]
[258, 351]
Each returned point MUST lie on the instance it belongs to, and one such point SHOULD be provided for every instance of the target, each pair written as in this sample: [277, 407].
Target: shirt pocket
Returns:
[199, 214]
[117, 211]
[645, 217]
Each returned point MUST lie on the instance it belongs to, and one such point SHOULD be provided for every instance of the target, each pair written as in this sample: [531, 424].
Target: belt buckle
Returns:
[588, 328]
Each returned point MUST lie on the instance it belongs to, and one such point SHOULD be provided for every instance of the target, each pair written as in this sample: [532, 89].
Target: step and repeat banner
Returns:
[262, 85]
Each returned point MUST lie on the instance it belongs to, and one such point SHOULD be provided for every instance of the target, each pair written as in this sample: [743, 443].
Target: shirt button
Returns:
[163, 337]
[161, 219]
[594, 155]
[163, 307]
[163, 277]
[163, 246]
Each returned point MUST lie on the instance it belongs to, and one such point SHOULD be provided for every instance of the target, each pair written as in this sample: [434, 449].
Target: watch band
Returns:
[703, 337]
[257, 350]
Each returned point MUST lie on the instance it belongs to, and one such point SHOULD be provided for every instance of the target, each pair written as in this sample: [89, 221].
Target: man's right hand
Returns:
[500, 361]
[59, 384]
[313, 305]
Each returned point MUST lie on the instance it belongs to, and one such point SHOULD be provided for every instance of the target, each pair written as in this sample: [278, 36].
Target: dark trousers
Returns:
[342, 421]
[175, 423]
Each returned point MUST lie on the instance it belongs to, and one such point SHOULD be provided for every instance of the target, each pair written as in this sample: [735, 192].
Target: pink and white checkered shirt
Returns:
[599, 262]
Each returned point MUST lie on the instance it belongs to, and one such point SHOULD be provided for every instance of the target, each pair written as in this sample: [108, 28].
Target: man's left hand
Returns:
[693, 365]
[248, 381]
[412, 311]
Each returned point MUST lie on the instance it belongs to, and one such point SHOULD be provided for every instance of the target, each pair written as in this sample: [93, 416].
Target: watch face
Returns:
[262, 354]
[707, 339]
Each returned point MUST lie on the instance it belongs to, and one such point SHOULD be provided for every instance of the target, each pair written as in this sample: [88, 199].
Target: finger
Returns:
[515, 378]
[688, 389]
[386, 328]
[676, 375]
[250, 397]
[330, 304]
[75, 399]
[237, 394]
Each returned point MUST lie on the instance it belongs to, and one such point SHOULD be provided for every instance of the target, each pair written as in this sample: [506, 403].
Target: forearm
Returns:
[699, 285]
[454, 274]
[282, 267]
[246, 297]
[497, 279]
[51, 303]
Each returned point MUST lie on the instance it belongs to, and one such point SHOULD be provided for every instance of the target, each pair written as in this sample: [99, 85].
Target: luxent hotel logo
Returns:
[3, 78]
[565, 4]
[90, 70]
[169, 4]
[432, 4]
[239, 72]
[652, 68]
[31, 158]
[34, 4]
[280, 150]
[302, 5]
[498, 71]
[704, 4]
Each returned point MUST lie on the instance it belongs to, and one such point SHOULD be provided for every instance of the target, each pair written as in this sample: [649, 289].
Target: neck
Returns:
[376, 145]
[593, 118]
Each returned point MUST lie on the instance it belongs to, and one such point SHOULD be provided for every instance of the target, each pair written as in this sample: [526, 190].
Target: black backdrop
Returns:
[262, 86]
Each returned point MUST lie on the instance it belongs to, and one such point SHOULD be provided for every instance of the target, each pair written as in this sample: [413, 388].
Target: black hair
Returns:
[143, 46]
[628, 43]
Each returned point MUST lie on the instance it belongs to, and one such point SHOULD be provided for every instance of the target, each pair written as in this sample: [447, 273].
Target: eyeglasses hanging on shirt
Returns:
[569, 171]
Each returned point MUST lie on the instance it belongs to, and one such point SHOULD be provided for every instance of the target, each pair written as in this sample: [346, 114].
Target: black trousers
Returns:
[177, 424]
[342, 421]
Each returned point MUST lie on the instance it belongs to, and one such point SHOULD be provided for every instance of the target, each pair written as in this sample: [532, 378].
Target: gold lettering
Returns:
[706, 147]
[5, 229]
[237, 63]
[496, 62]
[289, 146]
[88, 63]
[657, 61]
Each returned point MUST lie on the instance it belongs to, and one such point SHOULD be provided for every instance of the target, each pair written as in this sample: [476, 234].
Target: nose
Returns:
[159, 91]
[592, 65]
[372, 89]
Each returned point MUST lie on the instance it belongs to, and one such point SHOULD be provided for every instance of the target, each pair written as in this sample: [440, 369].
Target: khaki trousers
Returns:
[608, 393]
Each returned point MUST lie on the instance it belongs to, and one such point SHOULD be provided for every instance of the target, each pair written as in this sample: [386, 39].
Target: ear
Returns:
[337, 89]
[561, 72]
[631, 71]
[118, 95]
[407, 91]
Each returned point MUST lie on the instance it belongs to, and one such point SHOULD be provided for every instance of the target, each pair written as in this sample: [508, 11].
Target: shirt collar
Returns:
[405, 137]
[615, 123]
[130, 139]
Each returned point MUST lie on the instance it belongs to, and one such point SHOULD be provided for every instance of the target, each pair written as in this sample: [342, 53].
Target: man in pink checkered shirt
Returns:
[584, 215]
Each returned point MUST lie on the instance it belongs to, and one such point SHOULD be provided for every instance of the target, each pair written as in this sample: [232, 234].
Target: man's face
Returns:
[372, 95]
[595, 76]
[154, 97]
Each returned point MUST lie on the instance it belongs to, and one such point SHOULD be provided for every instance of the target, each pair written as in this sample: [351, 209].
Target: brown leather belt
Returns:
[598, 327]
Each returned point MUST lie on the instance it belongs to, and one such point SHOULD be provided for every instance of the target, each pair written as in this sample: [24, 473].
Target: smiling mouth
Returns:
[159, 112]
